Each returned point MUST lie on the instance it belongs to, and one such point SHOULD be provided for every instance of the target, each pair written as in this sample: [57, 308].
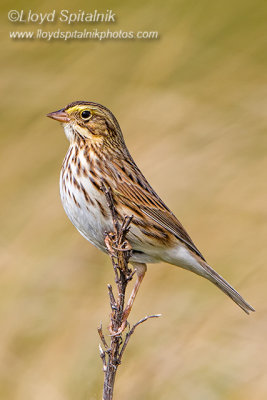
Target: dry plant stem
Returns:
[119, 251]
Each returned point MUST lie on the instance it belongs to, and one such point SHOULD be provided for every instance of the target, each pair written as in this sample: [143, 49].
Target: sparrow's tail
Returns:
[226, 288]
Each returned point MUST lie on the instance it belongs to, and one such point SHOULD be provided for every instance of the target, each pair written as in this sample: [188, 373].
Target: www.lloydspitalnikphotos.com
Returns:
[62, 16]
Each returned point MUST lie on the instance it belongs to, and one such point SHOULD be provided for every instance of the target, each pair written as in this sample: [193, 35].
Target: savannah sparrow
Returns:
[97, 154]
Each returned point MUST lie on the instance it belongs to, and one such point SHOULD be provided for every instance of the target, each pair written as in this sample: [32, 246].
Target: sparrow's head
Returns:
[88, 121]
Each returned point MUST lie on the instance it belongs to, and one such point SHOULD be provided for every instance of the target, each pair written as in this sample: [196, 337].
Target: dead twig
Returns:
[120, 252]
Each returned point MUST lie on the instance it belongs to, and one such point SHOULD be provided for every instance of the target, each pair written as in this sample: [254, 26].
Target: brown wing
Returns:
[133, 190]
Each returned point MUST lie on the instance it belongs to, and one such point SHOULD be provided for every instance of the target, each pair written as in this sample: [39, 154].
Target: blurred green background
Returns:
[192, 106]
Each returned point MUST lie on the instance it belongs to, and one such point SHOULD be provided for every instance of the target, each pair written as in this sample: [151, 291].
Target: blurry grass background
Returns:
[192, 106]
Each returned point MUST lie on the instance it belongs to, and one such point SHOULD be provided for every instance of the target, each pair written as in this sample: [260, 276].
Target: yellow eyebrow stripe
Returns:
[78, 107]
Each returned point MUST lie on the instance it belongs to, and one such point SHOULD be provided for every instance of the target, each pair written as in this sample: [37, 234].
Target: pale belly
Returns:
[87, 217]
[84, 212]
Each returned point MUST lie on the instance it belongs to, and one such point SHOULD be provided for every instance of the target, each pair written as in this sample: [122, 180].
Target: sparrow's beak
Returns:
[59, 115]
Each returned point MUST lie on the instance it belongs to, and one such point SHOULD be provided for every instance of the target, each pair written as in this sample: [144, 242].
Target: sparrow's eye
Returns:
[85, 114]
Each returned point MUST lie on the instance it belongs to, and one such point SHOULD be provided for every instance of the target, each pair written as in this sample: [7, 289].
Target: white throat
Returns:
[69, 132]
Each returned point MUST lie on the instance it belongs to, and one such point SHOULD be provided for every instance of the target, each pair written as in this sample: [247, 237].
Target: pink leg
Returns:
[140, 272]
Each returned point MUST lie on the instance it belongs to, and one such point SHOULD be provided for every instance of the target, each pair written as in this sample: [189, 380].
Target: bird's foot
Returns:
[108, 243]
[120, 330]
[124, 323]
